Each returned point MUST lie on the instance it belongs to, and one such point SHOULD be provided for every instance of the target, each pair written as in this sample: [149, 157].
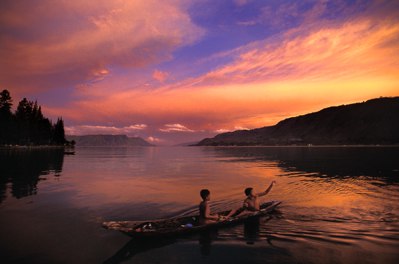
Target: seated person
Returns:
[205, 216]
[251, 203]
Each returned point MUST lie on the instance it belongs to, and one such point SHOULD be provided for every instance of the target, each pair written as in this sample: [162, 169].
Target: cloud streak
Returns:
[175, 128]
[330, 52]
[90, 130]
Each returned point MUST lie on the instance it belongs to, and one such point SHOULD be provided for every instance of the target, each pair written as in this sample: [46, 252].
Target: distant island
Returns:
[27, 126]
[108, 140]
[373, 122]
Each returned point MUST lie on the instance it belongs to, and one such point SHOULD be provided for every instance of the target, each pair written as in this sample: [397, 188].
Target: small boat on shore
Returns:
[181, 225]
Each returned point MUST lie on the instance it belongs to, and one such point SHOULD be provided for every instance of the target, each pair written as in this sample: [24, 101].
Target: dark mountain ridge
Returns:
[375, 121]
[108, 140]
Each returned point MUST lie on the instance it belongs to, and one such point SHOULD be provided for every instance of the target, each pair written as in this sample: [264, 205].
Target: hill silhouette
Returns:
[108, 140]
[375, 121]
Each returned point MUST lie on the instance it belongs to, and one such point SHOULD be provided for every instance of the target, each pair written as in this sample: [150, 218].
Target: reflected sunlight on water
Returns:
[347, 198]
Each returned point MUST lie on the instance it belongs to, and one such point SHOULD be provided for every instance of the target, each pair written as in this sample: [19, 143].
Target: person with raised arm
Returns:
[251, 203]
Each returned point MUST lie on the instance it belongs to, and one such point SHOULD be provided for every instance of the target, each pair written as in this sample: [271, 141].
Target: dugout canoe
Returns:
[181, 225]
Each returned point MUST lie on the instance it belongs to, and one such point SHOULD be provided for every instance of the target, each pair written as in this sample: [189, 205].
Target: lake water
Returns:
[340, 204]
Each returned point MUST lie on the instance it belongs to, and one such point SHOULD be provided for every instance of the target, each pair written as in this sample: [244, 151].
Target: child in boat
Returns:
[205, 216]
[251, 203]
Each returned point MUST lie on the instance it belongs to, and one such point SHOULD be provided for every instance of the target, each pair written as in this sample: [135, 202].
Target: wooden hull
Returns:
[181, 225]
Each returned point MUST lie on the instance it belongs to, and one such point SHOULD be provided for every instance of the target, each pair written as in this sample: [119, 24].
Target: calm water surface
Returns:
[340, 204]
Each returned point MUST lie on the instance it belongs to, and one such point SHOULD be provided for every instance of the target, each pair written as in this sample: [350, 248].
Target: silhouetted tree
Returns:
[28, 125]
[59, 132]
[45, 131]
[40, 127]
[6, 117]
[5, 102]
[23, 116]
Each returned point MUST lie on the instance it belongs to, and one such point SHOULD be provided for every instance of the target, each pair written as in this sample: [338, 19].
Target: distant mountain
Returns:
[375, 121]
[186, 144]
[108, 140]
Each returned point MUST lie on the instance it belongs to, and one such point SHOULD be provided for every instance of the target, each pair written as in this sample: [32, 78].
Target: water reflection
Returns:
[205, 240]
[136, 246]
[381, 162]
[338, 203]
[251, 230]
[22, 169]
[140, 245]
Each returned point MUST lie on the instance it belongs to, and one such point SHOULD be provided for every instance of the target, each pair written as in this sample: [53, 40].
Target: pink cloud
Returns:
[160, 76]
[175, 128]
[154, 139]
[72, 42]
[221, 130]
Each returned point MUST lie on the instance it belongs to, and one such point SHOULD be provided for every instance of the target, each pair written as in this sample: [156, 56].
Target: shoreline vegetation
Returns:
[27, 126]
[67, 147]
[34, 146]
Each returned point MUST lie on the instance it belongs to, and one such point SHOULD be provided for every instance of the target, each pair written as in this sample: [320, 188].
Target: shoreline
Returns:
[207, 146]
[298, 146]
[33, 147]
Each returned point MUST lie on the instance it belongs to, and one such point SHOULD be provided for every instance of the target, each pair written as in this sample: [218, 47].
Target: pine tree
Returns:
[23, 117]
[28, 125]
[6, 118]
[59, 132]
[5, 102]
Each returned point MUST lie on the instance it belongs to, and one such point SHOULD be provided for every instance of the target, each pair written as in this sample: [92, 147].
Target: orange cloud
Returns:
[269, 81]
[360, 48]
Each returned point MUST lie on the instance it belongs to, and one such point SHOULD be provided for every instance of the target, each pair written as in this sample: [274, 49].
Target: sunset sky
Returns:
[178, 71]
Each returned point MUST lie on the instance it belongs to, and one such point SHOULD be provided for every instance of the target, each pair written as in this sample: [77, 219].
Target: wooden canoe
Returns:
[180, 225]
